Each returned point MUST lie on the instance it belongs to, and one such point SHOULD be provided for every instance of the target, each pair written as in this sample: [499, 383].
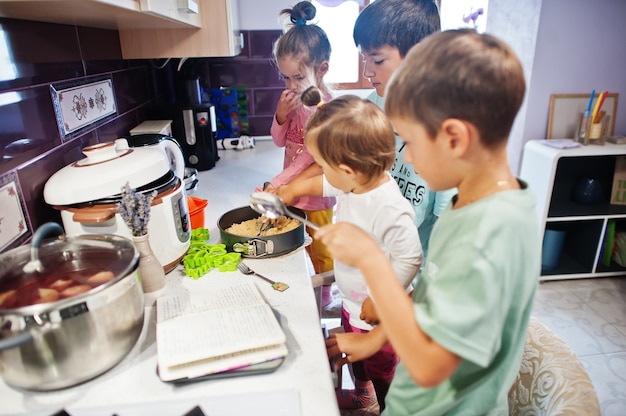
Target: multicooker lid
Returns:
[104, 171]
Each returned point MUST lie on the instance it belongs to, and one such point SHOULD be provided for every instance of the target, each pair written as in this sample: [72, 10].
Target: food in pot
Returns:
[100, 277]
[47, 295]
[8, 298]
[61, 284]
[15, 293]
[75, 290]
[264, 225]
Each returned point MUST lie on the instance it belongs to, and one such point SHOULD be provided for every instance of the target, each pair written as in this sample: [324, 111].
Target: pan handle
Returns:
[15, 341]
[255, 248]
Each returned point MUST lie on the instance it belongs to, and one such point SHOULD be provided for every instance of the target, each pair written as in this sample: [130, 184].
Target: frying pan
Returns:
[262, 246]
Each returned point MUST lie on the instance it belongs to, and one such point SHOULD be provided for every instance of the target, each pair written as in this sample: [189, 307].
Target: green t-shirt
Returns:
[474, 297]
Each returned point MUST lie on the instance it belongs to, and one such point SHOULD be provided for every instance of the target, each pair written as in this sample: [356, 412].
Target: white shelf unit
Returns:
[552, 174]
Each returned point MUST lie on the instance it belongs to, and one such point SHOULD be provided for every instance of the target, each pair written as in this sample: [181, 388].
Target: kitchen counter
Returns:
[301, 386]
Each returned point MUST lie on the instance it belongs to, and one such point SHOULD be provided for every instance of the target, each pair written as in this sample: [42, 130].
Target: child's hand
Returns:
[267, 187]
[289, 100]
[284, 192]
[355, 346]
[368, 312]
[348, 243]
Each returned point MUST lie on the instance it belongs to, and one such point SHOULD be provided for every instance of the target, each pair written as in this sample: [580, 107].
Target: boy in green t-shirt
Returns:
[460, 338]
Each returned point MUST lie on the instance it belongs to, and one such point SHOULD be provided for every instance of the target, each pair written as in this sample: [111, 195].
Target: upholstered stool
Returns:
[551, 380]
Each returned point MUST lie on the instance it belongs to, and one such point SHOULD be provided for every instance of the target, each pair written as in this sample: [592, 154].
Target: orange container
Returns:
[196, 211]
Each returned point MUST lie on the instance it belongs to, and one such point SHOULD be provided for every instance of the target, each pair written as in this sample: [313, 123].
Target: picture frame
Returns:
[83, 105]
[565, 111]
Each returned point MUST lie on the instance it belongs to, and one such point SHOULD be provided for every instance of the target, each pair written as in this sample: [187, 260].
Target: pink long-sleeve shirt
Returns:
[290, 135]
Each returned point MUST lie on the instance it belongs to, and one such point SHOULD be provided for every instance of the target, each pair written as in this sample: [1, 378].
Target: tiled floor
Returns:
[589, 314]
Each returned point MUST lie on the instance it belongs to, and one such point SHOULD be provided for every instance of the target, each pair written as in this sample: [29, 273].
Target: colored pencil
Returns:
[596, 112]
[591, 97]
[595, 107]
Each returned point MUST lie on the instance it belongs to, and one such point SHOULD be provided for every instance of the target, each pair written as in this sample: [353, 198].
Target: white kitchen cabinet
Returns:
[105, 14]
[219, 35]
[553, 175]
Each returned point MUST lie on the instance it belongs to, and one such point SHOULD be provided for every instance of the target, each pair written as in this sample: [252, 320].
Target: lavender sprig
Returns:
[134, 208]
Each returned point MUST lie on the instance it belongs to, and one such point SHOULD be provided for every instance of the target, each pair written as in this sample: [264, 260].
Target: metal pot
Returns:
[54, 345]
[262, 246]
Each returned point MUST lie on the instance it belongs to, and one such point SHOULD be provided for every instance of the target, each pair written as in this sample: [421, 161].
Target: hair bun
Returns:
[302, 12]
[311, 97]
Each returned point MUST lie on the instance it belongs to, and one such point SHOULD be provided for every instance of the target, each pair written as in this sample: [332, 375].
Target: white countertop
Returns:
[301, 386]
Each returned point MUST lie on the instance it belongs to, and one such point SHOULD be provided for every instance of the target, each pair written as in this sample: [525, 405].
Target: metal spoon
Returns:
[272, 206]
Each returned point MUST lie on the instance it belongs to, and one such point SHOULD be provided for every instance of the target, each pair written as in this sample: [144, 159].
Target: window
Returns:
[457, 14]
[337, 18]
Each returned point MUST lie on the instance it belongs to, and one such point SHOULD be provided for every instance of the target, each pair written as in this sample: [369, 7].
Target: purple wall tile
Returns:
[253, 70]
[262, 42]
[132, 88]
[39, 53]
[244, 73]
[29, 126]
[265, 100]
[121, 126]
[34, 176]
[99, 44]
[260, 125]
[38, 42]
[164, 82]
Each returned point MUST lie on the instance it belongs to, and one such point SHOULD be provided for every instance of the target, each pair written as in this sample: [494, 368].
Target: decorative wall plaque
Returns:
[78, 107]
[14, 228]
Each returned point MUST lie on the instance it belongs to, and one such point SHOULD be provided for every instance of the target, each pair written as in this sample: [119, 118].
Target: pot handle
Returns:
[43, 231]
[93, 215]
[15, 341]
[35, 264]
[179, 159]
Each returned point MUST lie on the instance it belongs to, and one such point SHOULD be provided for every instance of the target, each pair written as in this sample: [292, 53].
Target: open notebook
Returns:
[216, 331]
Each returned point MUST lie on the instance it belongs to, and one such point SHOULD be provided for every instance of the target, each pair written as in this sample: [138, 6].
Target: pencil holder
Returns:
[592, 133]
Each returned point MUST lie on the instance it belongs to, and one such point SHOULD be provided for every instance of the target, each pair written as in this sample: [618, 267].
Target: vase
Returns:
[151, 271]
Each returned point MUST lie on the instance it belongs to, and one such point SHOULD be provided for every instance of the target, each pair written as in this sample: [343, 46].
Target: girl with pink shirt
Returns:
[302, 54]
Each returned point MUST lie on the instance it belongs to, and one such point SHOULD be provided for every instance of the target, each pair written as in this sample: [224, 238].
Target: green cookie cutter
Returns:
[202, 257]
